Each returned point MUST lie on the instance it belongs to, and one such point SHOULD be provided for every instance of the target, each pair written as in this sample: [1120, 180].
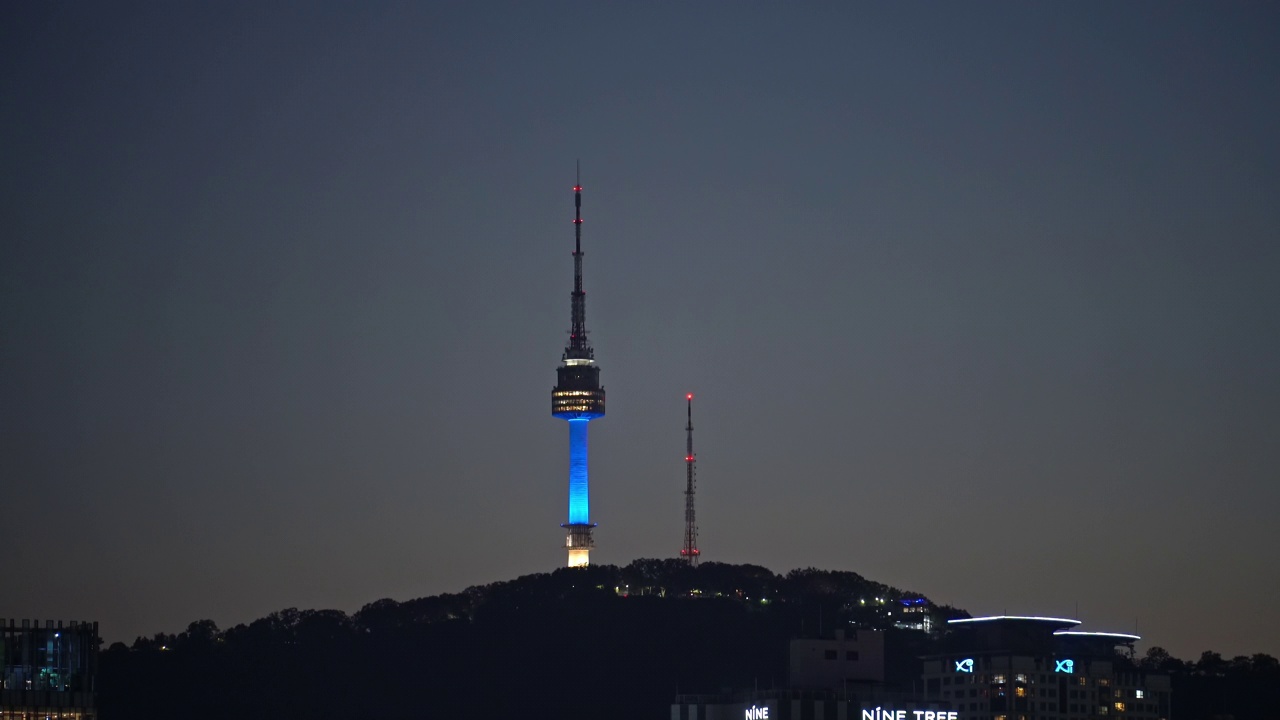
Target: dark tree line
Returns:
[1213, 688]
[588, 642]
[603, 638]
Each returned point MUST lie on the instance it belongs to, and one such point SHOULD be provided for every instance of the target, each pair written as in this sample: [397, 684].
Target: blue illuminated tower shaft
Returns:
[578, 398]
[579, 503]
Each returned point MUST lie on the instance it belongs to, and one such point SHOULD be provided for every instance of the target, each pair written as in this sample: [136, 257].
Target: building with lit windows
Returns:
[914, 614]
[1041, 668]
[987, 668]
[47, 671]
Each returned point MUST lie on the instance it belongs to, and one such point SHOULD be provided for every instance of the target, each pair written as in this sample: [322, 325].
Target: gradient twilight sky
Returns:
[976, 299]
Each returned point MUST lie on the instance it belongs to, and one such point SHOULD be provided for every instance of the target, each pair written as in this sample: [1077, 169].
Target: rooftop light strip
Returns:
[1013, 617]
[1084, 633]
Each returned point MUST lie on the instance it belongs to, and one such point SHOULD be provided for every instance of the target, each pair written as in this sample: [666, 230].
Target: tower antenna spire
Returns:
[689, 552]
[578, 347]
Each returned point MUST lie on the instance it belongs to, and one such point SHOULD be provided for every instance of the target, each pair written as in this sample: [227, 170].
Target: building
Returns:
[915, 614]
[48, 671]
[1041, 668]
[841, 677]
[988, 668]
[579, 399]
[862, 704]
[851, 658]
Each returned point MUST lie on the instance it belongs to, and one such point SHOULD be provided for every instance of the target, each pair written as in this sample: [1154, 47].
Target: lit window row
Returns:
[575, 393]
[45, 715]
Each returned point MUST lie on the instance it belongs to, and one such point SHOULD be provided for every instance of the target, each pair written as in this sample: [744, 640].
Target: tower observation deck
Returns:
[579, 399]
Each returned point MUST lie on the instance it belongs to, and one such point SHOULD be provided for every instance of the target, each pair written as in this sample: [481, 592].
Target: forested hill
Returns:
[589, 642]
[603, 638]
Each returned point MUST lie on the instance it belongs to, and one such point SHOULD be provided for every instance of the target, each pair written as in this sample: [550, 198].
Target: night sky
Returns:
[979, 300]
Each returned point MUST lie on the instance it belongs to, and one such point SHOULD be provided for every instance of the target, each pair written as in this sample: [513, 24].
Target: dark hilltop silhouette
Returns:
[597, 641]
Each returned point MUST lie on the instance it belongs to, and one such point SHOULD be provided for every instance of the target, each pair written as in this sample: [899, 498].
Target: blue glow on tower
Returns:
[578, 398]
[579, 504]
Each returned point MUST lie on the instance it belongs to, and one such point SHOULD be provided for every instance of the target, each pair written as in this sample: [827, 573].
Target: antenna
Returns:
[689, 552]
[577, 215]
[578, 347]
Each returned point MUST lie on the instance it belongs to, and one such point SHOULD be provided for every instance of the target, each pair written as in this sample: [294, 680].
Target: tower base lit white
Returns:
[579, 542]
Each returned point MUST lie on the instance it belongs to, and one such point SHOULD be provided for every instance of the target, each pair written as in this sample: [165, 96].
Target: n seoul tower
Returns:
[578, 398]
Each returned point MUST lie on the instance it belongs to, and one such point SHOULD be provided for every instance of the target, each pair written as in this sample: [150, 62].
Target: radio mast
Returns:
[689, 552]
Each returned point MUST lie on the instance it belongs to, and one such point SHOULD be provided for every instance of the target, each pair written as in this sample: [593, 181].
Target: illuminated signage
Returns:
[1065, 666]
[756, 712]
[882, 714]
[965, 666]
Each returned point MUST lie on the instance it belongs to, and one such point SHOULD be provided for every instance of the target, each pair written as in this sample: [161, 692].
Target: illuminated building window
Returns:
[1103, 709]
[1138, 694]
[1020, 691]
[1120, 707]
[1020, 678]
[1084, 681]
[997, 679]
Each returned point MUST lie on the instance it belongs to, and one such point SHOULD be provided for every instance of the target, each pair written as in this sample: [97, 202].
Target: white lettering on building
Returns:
[757, 713]
[882, 714]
